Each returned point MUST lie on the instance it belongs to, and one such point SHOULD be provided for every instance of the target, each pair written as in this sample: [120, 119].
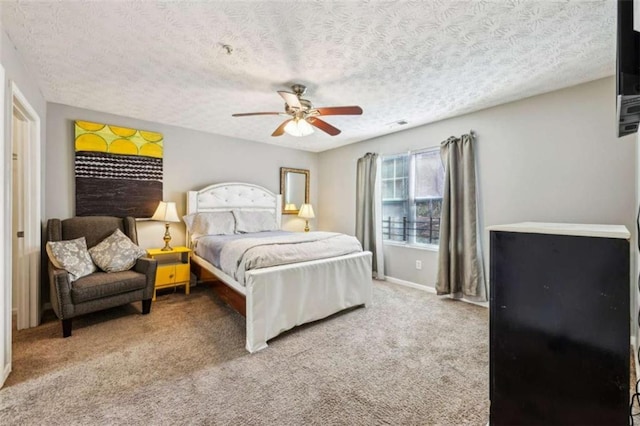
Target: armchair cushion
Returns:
[101, 284]
[72, 256]
[116, 253]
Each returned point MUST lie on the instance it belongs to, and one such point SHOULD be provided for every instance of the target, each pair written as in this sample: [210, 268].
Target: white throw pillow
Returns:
[255, 221]
[72, 256]
[116, 253]
[210, 223]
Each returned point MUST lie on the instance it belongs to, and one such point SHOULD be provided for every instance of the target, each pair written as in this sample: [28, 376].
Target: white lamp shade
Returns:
[306, 211]
[298, 127]
[290, 206]
[166, 212]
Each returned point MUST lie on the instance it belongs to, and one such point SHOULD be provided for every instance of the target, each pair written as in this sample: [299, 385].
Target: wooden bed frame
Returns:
[231, 297]
[307, 291]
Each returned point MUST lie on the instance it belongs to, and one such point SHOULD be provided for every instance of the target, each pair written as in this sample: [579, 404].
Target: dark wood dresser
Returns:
[559, 324]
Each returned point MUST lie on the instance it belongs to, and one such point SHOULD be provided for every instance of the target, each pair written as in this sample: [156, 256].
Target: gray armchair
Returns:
[99, 290]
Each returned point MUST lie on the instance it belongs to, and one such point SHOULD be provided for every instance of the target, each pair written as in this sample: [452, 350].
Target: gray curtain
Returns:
[460, 270]
[368, 214]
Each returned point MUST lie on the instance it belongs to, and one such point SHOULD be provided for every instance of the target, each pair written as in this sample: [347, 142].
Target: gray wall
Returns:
[16, 72]
[192, 160]
[553, 157]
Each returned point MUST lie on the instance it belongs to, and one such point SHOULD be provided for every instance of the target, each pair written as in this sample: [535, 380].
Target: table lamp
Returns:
[166, 212]
[290, 206]
[306, 212]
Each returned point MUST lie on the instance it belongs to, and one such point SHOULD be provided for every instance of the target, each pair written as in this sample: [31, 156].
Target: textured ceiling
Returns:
[413, 61]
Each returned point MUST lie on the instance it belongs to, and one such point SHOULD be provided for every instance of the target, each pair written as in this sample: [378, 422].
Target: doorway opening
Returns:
[25, 211]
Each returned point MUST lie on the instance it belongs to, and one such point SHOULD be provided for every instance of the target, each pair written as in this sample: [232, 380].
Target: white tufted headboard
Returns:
[234, 196]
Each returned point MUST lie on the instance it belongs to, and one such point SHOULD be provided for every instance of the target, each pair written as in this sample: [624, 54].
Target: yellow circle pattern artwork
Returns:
[91, 127]
[151, 136]
[124, 132]
[91, 142]
[151, 150]
[123, 146]
[117, 140]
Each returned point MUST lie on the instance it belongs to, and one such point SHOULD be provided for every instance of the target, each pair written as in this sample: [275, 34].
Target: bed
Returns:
[274, 299]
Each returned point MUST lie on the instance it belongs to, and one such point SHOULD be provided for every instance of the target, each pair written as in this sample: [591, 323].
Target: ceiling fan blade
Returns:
[290, 98]
[280, 130]
[245, 114]
[342, 110]
[324, 126]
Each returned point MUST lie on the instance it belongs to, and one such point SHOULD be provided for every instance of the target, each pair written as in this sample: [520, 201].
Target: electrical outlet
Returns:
[418, 264]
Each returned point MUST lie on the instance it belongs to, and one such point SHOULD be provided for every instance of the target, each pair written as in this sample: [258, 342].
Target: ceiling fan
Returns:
[303, 115]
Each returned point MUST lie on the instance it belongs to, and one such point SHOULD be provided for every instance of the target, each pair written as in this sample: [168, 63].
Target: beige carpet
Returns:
[411, 358]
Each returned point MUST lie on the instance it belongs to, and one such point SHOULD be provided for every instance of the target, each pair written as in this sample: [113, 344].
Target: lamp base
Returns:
[166, 238]
[306, 226]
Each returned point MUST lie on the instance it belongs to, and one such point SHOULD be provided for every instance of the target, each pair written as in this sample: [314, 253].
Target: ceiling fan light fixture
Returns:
[298, 127]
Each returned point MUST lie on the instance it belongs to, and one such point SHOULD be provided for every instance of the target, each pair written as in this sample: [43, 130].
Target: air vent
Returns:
[397, 123]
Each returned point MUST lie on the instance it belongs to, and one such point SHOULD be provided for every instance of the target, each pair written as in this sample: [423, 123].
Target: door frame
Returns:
[5, 248]
[28, 299]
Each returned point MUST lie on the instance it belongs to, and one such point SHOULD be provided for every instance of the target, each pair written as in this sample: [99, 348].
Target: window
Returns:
[412, 187]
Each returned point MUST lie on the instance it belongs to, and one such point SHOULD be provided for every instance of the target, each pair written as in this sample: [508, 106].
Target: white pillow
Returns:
[72, 256]
[255, 221]
[116, 253]
[210, 223]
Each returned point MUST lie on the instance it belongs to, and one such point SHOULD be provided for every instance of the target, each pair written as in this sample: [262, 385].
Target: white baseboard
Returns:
[404, 283]
[5, 373]
[428, 289]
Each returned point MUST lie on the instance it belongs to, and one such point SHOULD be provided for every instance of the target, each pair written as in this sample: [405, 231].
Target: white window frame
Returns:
[411, 175]
[394, 178]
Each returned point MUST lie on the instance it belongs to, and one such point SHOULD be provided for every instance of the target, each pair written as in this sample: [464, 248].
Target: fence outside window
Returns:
[425, 229]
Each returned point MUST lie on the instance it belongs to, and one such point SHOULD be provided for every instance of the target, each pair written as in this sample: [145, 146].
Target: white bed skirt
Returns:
[282, 297]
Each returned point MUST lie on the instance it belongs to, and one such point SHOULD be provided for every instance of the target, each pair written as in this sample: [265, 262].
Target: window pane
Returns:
[429, 175]
[428, 221]
[392, 220]
[387, 168]
[402, 166]
[400, 188]
[395, 195]
[387, 189]
[428, 187]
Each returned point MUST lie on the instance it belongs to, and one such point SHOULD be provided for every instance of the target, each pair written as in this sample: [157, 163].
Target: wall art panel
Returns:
[118, 170]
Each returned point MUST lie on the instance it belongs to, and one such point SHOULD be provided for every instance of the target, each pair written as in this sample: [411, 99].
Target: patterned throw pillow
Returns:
[116, 253]
[72, 256]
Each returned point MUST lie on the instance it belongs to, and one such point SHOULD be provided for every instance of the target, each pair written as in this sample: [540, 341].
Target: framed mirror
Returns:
[294, 187]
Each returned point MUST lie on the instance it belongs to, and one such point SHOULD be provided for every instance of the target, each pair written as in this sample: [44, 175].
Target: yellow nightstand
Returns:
[173, 268]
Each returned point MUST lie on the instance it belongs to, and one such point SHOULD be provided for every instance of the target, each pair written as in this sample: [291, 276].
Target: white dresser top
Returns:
[576, 229]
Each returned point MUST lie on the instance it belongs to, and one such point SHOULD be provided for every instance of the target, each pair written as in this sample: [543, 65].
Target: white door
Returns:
[5, 247]
[20, 262]
[26, 134]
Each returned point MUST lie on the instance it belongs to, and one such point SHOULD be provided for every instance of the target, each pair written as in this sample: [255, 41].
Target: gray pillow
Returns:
[255, 221]
[72, 256]
[210, 223]
[116, 253]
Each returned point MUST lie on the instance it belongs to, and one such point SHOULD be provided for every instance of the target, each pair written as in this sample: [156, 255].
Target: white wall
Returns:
[553, 157]
[192, 160]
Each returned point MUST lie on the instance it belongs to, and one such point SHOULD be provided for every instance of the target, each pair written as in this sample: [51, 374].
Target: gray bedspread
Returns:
[240, 255]
[209, 246]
